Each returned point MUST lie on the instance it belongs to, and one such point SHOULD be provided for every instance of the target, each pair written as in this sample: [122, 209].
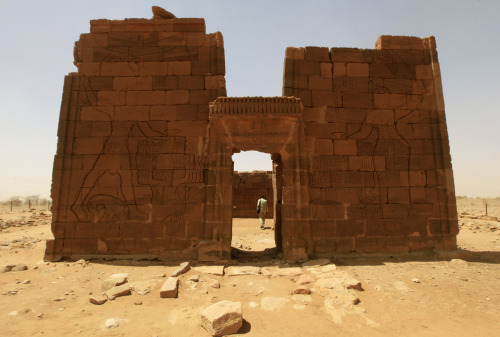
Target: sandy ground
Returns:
[453, 294]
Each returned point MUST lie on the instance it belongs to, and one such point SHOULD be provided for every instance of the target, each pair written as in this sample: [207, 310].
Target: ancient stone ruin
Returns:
[359, 143]
[247, 188]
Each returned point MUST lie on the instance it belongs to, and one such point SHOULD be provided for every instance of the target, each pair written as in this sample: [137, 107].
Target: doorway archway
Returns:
[273, 125]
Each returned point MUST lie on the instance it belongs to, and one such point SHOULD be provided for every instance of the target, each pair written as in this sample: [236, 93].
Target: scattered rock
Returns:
[273, 303]
[121, 275]
[97, 299]
[143, 288]
[316, 263]
[183, 268]
[112, 323]
[212, 282]
[170, 288]
[415, 280]
[302, 290]
[13, 267]
[246, 270]
[330, 283]
[304, 279]
[26, 281]
[113, 281]
[458, 263]
[214, 270]
[121, 290]
[222, 318]
[13, 313]
[355, 285]
[138, 302]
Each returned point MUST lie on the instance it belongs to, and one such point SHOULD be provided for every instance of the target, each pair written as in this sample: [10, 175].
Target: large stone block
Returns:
[222, 318]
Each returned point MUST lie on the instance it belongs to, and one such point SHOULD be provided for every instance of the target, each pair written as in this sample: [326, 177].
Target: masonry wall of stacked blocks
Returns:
[143, 165]
[247, 188]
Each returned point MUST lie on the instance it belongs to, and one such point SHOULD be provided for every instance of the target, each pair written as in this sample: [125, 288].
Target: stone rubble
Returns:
[118, 291]
[170, 288]
[222, 318]
[214, 270]
[112, 282]
[98, 299]
[244, 270]
[183, 268]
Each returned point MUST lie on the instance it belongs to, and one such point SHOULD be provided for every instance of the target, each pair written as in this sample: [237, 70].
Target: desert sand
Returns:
[425, 294]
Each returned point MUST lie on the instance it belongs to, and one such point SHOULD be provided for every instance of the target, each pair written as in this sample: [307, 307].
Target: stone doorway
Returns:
[256, 174]
[271, 125]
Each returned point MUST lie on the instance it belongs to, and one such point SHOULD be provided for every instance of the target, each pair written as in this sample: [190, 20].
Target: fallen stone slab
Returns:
[214, 270]
[245, 270]
[222, 318]
[281, 272]
[121, 275]
[302, 299]
[316, 263]
[170, 288]
[304, 279]
[118, 291]
[330, 283]
[98, 299]
[112, 282]
[183, 268]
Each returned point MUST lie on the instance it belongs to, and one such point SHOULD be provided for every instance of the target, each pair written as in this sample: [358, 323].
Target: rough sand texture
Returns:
[451, 294]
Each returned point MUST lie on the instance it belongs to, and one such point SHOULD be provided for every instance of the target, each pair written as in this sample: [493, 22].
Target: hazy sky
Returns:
[37, 39]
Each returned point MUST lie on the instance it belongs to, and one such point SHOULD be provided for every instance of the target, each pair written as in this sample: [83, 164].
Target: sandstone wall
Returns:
[380, 176]
[247, 189]
[129, 170]
[143, 165]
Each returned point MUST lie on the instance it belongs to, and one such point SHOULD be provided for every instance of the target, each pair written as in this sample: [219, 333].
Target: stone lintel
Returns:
[256, 106]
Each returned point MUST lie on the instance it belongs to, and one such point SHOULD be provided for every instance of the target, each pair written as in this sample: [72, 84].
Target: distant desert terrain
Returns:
[425, 294]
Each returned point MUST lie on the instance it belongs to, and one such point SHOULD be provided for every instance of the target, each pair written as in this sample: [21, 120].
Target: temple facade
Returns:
[143, 169]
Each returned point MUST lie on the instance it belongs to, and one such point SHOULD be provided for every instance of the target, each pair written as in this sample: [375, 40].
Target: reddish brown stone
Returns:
[146, 134]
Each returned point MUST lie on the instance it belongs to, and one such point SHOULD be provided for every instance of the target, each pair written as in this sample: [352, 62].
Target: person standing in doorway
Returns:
[262, 210]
